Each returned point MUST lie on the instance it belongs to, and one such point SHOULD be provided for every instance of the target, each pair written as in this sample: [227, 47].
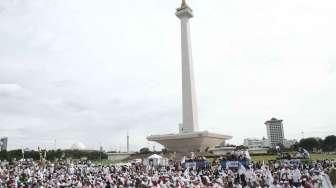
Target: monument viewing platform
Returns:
[190, 142]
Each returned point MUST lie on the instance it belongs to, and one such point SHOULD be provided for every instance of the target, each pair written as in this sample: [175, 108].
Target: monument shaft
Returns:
[190, 116]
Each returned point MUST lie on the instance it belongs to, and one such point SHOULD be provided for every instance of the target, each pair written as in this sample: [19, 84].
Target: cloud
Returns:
[84, 71]
[10, 90]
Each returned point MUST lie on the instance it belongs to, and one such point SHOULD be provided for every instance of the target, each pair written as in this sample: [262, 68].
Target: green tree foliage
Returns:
[90, 155]
[53, 154]
[310, 143]
[144, 151]
[329, 143]
[241, 147]
[295, 147]
[31, 155]
[14, 154]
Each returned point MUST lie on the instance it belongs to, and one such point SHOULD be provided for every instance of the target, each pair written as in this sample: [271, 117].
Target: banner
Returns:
[232, 164]
[191, 165]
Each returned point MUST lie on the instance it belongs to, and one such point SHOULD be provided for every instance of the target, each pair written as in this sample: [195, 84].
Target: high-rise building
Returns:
[3, 143]
[275, 131]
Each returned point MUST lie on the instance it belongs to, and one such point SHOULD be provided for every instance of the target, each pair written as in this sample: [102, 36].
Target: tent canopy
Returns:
[155, 156]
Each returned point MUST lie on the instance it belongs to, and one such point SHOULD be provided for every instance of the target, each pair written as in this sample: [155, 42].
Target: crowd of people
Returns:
[28, 173]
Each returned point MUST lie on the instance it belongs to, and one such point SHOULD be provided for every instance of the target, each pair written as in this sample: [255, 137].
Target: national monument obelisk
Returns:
[190, 116]
[189, 138]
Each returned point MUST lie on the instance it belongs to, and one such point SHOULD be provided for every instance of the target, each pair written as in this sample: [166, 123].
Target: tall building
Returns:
[275, 131]
[3, 143]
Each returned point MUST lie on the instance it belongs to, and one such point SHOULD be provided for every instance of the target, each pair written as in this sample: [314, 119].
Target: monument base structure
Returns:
[198, 141]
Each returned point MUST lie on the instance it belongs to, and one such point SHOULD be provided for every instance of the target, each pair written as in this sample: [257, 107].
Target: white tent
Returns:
[155, 156]
[156, 160]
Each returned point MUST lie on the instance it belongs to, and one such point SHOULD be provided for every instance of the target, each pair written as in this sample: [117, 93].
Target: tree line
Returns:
[314, 144]
[52, 154]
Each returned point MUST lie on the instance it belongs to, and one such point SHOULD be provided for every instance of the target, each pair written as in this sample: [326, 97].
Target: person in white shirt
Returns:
[296, 176]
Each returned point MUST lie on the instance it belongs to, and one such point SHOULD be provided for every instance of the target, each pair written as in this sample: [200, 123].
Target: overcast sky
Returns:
[87, 71]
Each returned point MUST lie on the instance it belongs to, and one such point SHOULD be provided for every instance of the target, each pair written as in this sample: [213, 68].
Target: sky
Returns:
[88, 72]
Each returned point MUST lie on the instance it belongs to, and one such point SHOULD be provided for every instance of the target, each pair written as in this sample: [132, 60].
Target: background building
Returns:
[289, 143]
[3, 143]
[257, 146]
[256, 143]
[275, 132]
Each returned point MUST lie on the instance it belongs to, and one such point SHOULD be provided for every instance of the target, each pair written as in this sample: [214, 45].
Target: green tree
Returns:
[35, 155]
[54, 154]
[17, 154]
[144, 151]
[295, 147]
[3, 155]
[329, 143]
[241, 147]
[310, 143]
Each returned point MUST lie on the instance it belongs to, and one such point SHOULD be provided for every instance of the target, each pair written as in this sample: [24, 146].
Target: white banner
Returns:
[232, 164]
[190, 165]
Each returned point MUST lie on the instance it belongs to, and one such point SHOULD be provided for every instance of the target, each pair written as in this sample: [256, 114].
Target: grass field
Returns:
[312, 156]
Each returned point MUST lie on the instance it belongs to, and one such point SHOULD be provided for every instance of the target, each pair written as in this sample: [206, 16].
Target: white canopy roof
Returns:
[155, 156]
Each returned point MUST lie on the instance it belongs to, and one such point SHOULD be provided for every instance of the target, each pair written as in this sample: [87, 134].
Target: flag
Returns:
[183, 159]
